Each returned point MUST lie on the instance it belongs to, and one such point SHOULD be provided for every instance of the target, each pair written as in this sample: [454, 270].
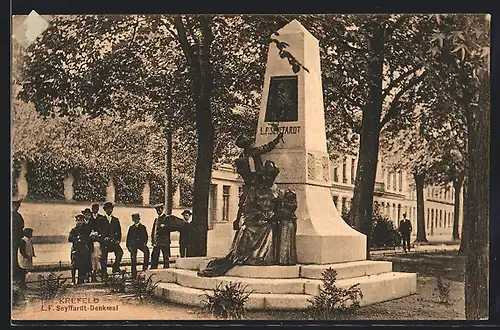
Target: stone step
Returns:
[256, 301]
[375, 289]
[344, 270]
[348, 269]
[190, 279]
[396, 282]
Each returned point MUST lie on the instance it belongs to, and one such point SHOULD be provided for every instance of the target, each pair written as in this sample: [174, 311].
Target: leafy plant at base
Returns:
[443, 290]
[116, 282]
[143, 287]
[51, 286]
[227, 301]
[332, 302]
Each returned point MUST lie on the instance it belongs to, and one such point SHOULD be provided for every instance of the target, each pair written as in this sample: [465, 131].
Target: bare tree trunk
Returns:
[362, 202]
[169, 189]
[457, 186]
[478, 196]
[419, 184]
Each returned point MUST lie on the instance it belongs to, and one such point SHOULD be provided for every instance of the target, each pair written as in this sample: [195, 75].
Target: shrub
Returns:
[116, 282]
[89, 185]
[46, 179]
[18, 294]
[143, 287]
[227, 301]
[332, 302]
[443, 289]
[383, 234]
[51, 286]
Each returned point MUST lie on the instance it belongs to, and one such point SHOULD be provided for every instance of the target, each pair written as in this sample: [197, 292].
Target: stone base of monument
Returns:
[282, 287]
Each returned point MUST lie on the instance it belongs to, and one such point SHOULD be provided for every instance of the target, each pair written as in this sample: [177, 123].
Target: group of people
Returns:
[96, 235]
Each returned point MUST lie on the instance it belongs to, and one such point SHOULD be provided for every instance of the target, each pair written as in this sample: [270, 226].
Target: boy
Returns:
[27, 253]
[137, 239]
[185, 233]
[80, 253]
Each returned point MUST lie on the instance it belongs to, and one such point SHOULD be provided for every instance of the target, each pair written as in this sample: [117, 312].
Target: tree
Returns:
[461, 42]
[190, 86]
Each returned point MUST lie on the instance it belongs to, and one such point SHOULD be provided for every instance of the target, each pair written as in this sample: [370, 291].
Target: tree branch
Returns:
[186, 47]
[394, 109]
[399, 79]
[135, 30]
[347, 97]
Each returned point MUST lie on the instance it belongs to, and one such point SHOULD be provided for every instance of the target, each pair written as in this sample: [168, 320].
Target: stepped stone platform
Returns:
[282, 287]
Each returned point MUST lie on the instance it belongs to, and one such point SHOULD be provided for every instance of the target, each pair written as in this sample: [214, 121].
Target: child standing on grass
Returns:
[27, 252]
[80, 253]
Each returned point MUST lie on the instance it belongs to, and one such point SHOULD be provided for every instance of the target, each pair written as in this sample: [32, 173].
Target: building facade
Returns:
[394, 193]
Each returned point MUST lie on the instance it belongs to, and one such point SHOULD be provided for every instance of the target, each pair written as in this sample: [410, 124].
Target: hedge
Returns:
[46, 180]
[89, 186]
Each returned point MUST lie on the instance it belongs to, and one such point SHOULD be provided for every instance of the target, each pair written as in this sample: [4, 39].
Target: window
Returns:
[213, 202]
[336, 201]
[440, 193]
[225, 202]
[344, 204]
[336, 174]
[400, 181]
[399, 211]
[445, 224]
[388, 179]
[394, 212]
[428, 219]
[440, 218]
[353, 171]
[432, 218]
[394, 182]
[344, 171]
[449, 219]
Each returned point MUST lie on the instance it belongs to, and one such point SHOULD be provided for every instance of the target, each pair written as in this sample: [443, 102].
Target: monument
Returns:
[291, 136]
[295, 103]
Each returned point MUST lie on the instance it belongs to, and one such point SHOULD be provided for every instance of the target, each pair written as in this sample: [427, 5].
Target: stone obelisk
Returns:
[295, 102]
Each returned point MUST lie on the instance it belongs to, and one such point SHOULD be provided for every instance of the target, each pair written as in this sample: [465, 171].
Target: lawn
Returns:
[424, 305]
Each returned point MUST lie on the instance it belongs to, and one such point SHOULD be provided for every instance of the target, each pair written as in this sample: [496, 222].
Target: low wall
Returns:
[51, 222]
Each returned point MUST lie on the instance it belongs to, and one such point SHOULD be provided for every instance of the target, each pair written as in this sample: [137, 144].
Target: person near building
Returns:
[405, 229]
[160, 238]
[185, 233]
[27, 252]
[111, 238]
[17, 236]
[137, 240]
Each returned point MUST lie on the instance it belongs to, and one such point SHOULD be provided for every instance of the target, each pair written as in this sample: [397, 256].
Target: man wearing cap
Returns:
[111, 238]
[160, 238]
[185, 233]
[17, 236]
[137, 239]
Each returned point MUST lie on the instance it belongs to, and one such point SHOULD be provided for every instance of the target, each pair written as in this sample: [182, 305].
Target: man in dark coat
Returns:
[160, 238]
[111, 238]
[137, 239]
[185, 233]
[405, 231]
[17, 236]
[98, 224]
